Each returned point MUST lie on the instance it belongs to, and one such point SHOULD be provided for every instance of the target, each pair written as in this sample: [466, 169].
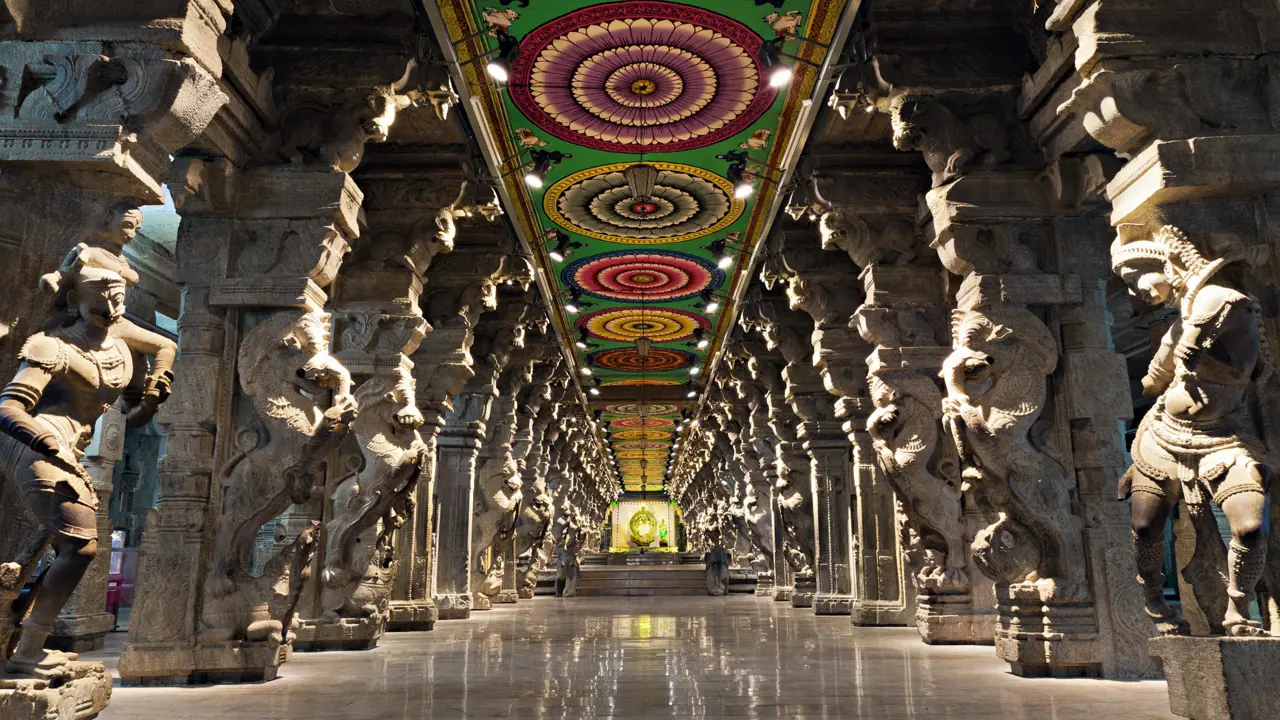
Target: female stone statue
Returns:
[1200, 441]
[70, 374]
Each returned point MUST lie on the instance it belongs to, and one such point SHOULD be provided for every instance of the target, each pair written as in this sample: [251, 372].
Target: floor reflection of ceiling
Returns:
[593, 89]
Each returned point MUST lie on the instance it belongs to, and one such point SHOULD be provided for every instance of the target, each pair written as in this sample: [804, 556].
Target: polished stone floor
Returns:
[649, 658]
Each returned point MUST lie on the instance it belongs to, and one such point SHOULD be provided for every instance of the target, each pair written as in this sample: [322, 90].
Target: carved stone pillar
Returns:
[541, 409]
[456, 392]
[1193, 125]
[498, 487]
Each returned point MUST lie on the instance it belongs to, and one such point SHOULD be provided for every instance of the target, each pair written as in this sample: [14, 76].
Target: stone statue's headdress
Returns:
[1169, 249]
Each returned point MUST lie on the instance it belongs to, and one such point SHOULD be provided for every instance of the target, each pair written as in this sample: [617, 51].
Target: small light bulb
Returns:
[556, 256]
[725, 262]
[780, 76]
[581, 345]
[742, 191]
[702, 344]
[497, 71]
[533, 180]
[586, 371]
[695, 370]
[593, 391]
[571, 308]
[713, 306]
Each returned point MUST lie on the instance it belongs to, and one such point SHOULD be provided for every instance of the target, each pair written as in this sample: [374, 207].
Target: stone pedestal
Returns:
[831, 471]
[804, 591]
[509, 594]
[1220, 678]
[82, 698]
[313, 635]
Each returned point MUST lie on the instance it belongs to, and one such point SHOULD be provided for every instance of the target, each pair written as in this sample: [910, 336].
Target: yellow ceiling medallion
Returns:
[687, 202]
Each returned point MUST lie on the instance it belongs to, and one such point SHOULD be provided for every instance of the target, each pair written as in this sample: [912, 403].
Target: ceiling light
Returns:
[770, 57]
[640, 180]
[586, 371]
[593, 391]
[573, 309]
[741, 190]
[713, 306]
[695, 370]
[780, 75]
[725, 261]
[582, 339]
[499, 67]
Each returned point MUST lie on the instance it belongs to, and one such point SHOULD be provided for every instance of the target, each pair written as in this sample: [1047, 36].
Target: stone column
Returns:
[452, 393]
[542, 404]
[497, 480]
[70, 148]
[1193, 125]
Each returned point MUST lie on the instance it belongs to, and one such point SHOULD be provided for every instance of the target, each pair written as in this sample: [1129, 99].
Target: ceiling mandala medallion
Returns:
[638, 445]
[685, 203]
[657, 324]
[639, 383]
[641, 76]
[642, 423]
[641, 435]
[629, 360]
[635, 408]
[643, 276]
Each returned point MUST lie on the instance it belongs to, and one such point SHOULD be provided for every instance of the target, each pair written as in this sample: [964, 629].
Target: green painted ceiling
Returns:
[596, 88]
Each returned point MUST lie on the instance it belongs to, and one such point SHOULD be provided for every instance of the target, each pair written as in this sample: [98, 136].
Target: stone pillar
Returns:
[1193, 125]
[498, 487]
[541, 408]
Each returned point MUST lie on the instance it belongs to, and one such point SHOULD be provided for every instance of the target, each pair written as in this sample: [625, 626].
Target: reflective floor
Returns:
[649, 658]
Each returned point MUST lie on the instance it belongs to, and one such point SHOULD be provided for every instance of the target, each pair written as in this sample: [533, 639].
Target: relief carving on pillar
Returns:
[958, 134]
[996, 380]
[283, 363]
[381, 492]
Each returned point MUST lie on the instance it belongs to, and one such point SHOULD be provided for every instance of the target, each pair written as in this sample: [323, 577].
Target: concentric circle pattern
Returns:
[652, 454]
[640, 445]
[644, 276]
[642, 423]
[636, 408]
[640, 435]
[639, 383]
[629, 360]
[657, 324]
[687, 202]
[636, 76]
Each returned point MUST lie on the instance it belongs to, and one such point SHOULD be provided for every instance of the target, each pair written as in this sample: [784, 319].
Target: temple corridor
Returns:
[648, 657]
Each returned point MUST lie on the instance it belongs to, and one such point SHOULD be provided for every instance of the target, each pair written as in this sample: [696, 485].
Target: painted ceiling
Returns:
[595, 88]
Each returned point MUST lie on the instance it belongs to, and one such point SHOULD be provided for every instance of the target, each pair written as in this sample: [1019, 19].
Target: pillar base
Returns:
[412, 616]
[833, 605]
[782, 593]
[315, 635]
[1042, 634]
[951, 619]
[1220, 678]
[81, 634]
[804, 591]
[870, 613]
[764, 589]
[506, 597]
[453, 607]
[203, 664]
[525, 593]
[83, 697]
[481, 602]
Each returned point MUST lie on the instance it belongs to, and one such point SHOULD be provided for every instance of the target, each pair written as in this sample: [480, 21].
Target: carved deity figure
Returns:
[1202, 441]
[394, 454]
[904, 432]
[87, 358]
[283, 363]
[996, 381]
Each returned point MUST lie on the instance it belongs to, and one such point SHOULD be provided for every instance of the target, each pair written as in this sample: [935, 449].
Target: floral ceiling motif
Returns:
[641, 77]
[686, 203]
[630, 360]
[657, 324]
[647, 276]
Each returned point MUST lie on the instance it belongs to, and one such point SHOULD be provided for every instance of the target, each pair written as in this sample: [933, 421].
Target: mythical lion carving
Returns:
[283, 363]
[394, 454]
[996, 385]
[904, 433]
[334, 134]
[951, 145]
[498, 497]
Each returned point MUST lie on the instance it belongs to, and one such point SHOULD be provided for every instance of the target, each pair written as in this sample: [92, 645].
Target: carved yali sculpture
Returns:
[1202, 441]
[283, 363]
[996, 379]
[904, 432]
[394, 453]
[88, 357]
